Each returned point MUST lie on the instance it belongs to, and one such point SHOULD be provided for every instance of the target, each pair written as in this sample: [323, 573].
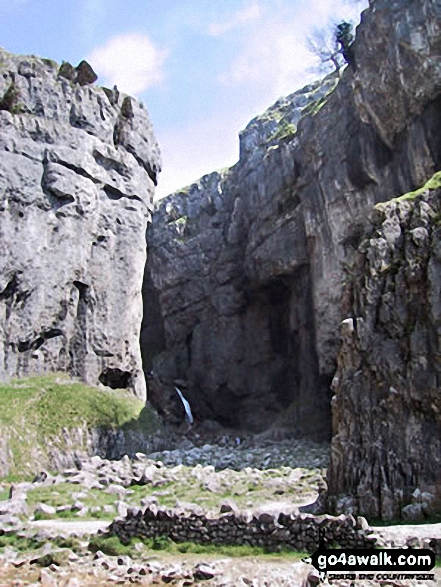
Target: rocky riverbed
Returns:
[48, 527]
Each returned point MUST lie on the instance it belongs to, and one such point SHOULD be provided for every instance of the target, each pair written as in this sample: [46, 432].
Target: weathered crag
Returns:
[78, 165]
[386, 451]
[246, 265]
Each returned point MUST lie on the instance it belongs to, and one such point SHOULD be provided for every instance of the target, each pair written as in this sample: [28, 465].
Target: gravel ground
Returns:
[196, 473]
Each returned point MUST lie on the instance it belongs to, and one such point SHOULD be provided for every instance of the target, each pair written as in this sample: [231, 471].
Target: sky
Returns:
[203, 68]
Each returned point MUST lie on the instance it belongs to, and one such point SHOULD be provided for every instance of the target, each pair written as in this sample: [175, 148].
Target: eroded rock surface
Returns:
[78, 164]
[246, 265]
[386, 451]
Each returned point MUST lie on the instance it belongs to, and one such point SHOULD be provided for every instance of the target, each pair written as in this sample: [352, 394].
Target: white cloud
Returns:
[249, 13]
[273, 58]
[131, 61]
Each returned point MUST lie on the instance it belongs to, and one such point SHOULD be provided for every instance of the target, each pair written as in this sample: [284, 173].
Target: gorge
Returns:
[252, 271]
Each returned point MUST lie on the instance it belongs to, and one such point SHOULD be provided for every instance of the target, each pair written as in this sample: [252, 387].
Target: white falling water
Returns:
[188, 414]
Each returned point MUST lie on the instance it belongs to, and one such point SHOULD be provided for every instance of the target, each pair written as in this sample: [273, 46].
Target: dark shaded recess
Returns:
[364, 148]
[83, 288]
[111, 164]
[226, 410]
[33, 345]
[431, 120]
[353, 240]
[77, 344]
[278, 295]
[188, 343]
[80, 121]
[76, 169]
[115, 194]
[10, 289]
[115, 378]
[152, 339]
[10, 98]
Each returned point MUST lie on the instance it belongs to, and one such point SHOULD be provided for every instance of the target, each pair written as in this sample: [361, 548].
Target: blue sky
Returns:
[203, 68]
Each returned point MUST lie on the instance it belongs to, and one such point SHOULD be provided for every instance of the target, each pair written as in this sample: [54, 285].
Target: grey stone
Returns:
[74, 303]
[45, 509]
[413, 512]
[85, 74]
[245, 269]
[389, 363]
[203, 572]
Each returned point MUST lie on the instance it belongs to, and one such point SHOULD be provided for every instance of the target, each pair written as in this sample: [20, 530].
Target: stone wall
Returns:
[247, 264]
[386, 449]
[78, 165]
[296, 532]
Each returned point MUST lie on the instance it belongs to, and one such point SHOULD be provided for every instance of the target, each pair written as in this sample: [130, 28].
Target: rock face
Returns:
[246, 265]
[386, 451]
[78, 165]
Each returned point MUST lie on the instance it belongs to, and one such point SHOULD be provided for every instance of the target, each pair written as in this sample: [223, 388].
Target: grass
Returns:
[4, 493]
[35, 410]
[65, 494]
[112, 546]
[432, 184]
[179, 484]
[286, 130]
[21, 544]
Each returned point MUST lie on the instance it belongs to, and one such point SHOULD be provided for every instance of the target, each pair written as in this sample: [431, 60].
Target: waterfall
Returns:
[188, 414]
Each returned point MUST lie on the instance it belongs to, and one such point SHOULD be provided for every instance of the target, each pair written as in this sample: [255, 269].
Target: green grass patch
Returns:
[432, 184]
[286, 130]
[4, 493]
[112, 546]
[20, 543]
[35, 410]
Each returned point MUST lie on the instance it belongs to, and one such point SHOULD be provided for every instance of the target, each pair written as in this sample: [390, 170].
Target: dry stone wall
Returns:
[296, 532]
[78, 165]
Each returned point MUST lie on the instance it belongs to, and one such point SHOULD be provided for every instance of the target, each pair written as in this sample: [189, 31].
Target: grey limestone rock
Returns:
[386, 449]
[76, 193]
[244, 279]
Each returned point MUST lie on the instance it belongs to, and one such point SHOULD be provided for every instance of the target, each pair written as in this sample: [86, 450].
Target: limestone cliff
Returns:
[386, 451]
[78, 165]
[246, 265]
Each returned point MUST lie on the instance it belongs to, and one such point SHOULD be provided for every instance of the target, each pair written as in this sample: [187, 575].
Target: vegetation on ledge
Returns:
[432, 184]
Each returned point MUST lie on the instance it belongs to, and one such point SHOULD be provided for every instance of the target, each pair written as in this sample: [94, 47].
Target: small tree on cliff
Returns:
[332, 46]
[344, 37]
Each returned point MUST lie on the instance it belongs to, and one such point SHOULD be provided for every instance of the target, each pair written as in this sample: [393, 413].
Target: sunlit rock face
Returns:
[78, 164]
[246, 265]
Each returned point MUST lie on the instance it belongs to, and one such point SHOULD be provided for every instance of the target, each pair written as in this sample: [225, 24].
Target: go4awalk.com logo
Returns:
[384, 564]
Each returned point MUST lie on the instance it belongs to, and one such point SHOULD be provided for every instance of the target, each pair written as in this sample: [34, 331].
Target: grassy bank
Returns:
[35, 411]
